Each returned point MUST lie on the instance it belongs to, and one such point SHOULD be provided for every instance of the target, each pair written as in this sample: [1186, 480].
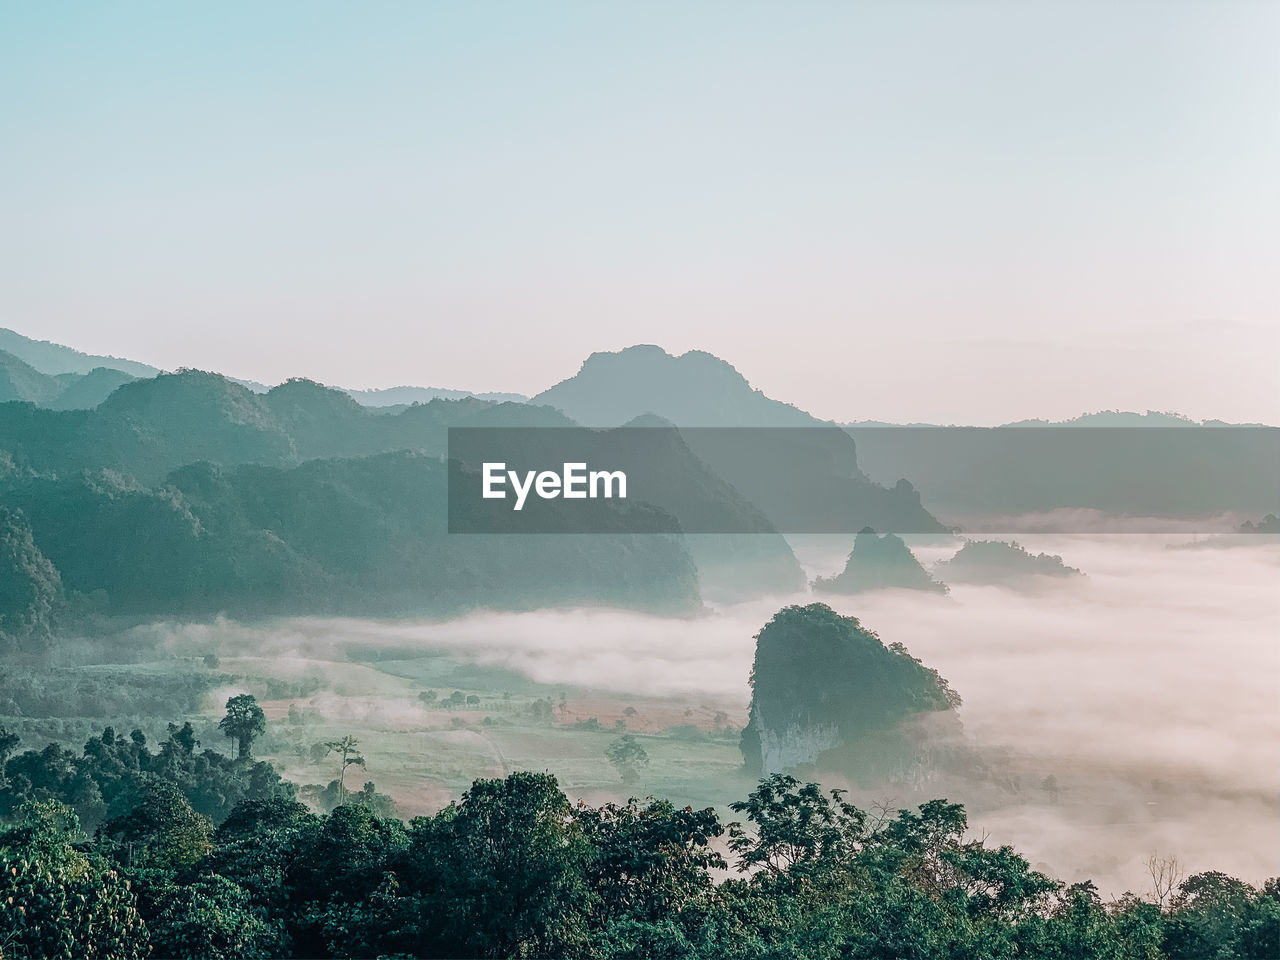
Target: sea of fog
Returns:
[1149, 689]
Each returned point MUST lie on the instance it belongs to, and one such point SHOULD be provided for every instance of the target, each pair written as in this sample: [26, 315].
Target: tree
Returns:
[8, 743]
[1209, 914]
[30, 587]
[795, 824]
[59, 903]
[379, 803]
[211, 918]
[346, 747]
[243, 723]
[184, 737]
[627, 755]
[510, 857]
[650, 861]
[162, 831]
[1166, 874]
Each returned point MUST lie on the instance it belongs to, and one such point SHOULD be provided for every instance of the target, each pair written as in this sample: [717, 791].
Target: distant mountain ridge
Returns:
[54, 358]
[696, 388]
[845, 482]
[1095, 467]
[149, 427]
[407, 396]
[1100, 418]
[20, 381]
[64, 391]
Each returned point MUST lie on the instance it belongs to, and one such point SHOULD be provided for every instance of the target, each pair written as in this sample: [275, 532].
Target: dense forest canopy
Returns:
[514, 869]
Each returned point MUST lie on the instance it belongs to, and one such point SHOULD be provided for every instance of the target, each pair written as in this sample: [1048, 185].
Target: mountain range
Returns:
[43, 373]
[693, 389]
[809, 480]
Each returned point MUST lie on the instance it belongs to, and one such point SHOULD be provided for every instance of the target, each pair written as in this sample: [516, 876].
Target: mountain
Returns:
[30, 588]
[1125, 418]
[136, 534]
[157, 425]
[1101, 418]
[359, 537]
[809, 481]
[149, 427]
[88, 391]
[1097, 467]
[695, 389]
[824, 688]
[53, 358]
[1269, 525]
[1265, 532]
[998, 562]
[395, 396]
[737, 548]
[21, 381]
[878, 563]
[805, 481]
[64, 391]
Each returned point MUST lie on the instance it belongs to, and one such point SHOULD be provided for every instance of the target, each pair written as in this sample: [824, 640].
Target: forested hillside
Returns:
[353, 536]
[515, 869]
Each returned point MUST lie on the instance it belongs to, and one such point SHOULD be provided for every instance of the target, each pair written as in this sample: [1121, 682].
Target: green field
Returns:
[422, 753]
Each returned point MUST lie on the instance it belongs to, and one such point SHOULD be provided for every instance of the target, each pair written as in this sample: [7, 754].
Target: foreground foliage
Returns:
[513, 869]
[114, 774]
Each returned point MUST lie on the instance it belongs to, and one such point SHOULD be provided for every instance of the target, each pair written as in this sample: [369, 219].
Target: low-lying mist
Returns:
[1131, 712]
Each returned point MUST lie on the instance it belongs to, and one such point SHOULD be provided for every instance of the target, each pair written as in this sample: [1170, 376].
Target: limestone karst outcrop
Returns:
[998, 562]
[878, 563]
[827, 690]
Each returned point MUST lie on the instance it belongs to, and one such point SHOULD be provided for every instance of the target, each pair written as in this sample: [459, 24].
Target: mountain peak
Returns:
[696, 388]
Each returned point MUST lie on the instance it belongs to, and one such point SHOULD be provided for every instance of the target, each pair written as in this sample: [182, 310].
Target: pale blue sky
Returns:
[950, 211]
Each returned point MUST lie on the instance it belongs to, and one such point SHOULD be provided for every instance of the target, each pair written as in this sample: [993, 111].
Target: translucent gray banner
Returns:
[831, 480]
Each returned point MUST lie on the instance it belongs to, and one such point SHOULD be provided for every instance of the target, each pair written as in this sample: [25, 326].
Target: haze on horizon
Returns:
[957, 213]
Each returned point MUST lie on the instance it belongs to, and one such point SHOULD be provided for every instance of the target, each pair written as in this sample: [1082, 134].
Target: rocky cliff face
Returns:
[794, 745]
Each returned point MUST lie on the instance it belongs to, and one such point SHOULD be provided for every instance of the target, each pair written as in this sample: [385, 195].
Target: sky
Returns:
[955, 212]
